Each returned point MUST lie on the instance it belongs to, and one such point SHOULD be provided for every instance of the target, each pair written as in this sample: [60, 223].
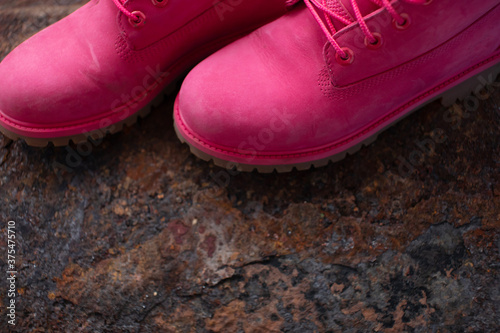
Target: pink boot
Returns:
[103, 66]
[329, 76]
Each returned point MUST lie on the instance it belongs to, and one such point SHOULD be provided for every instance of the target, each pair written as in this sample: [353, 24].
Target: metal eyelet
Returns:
[406, 23]
[160, 3]
[141, 19]
[377, 44]
[345, 61]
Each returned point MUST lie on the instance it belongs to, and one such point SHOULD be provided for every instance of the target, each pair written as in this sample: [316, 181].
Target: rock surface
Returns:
[137, 235]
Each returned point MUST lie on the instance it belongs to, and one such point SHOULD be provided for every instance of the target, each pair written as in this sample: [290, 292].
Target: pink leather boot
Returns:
[330, 75]
[103, 66]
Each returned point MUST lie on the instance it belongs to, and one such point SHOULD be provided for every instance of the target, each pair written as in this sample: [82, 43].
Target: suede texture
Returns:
[279, 96]
[93, 68]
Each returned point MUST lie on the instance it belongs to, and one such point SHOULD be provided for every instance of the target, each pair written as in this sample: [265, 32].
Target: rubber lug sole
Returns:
[98, 134]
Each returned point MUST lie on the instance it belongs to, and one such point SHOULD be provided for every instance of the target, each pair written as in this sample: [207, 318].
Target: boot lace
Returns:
[324, 15]
[125, 11]
[137, 18]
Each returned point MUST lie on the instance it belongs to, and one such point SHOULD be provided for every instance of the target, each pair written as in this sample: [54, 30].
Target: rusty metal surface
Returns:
[134, 234]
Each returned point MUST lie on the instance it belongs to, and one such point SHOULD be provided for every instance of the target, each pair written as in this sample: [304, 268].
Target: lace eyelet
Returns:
[378, 41]
[405, 24]
[347, 61]
[141, 19]
[160, 3]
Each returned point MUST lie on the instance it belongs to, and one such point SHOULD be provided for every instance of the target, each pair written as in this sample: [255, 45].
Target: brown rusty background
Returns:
[136, 235]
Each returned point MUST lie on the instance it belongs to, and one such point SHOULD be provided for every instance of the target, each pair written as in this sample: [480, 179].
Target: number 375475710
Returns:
[11, 241]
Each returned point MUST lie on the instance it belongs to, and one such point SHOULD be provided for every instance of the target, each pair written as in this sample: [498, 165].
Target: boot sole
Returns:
[97, 134]
[462, 86]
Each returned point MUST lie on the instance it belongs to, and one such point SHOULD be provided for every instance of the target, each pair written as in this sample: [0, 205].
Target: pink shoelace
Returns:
[129, 14]
[136, 17]
[319, 6]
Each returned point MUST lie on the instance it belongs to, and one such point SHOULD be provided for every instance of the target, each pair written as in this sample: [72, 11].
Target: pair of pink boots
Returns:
[318, 82]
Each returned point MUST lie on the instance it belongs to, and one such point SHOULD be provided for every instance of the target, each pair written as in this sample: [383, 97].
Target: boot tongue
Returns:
[365, 6]
[345, 9]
